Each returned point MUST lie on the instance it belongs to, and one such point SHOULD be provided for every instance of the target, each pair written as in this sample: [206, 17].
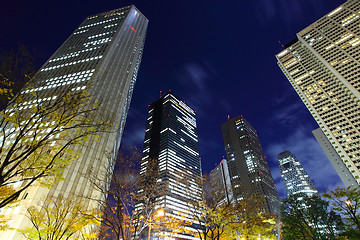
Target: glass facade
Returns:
[249, 170]
[171, 141]
[294, 176]
[323, 66]
[101, 56]
[220, 181]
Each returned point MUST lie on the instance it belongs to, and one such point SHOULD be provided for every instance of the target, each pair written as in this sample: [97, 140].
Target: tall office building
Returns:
[102, 56]
[249, 170]
[220, 181]
[323, 66]
[294, 176]
[171, 141]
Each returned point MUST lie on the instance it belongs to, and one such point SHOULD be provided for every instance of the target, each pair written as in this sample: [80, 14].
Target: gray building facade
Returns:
[345, 175]
[102, 56]
[249, 170]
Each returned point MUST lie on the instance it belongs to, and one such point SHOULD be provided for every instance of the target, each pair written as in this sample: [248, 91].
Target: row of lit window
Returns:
[187, 149]
[70, 77]
[178, 103]
[29, 104]
[54, 85]
[101, 34]
[186, 125]
[193, 138]
[71, 63]
[115, 13]
[78, 88]
[82, 31]
[73, 54]
[65, 57]
[98, 23]
[64, 80]
[290, 63]
[97, 42]
[111, 25]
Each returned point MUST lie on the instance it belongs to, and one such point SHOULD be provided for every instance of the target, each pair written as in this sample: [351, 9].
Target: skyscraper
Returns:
[323, 66]
[171, 141]
[220, 181]
[249, 171]
[103, 56]
[294, 176]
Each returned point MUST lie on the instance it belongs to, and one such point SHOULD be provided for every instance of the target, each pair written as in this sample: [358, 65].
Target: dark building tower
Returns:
[171, 144]
[294, 176]
[249, 171]
[102, 56]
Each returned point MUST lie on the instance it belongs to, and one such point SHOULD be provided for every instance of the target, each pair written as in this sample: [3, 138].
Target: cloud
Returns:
[306, 149]
[195, 77]
[225, 104]
[134, 131]
[286, 95]
[289, 115]
[288, 12]
[134, 136]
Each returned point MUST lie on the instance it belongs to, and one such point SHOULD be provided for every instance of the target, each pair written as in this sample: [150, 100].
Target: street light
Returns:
[160, 213]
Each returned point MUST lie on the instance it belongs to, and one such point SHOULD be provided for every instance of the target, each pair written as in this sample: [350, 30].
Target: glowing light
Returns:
[335, 11]
[132, 28]
[160, 213]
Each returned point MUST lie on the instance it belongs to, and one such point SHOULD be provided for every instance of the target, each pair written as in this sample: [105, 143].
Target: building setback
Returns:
[346, 177]
[323, 66]
[171, 142]
[249, 170]
[102, 56]
[294, 176]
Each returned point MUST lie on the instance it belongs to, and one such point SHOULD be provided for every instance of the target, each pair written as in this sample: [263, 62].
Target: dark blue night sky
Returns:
[218, 56]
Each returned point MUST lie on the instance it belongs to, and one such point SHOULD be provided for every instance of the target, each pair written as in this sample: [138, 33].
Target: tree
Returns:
[308, 217]
[16, 69]
[220, 217]
[39, 131]
[346, 202]
[125, 211]
[251, 221]
[213, 212]
[59, 219]
[163, 226]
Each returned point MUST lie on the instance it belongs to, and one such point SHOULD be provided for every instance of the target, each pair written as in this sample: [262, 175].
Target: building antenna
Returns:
[281, 44]
[228, 117]
[160, 93]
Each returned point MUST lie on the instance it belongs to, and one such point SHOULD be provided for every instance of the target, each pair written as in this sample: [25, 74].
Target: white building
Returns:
[323, 66]
[103, 56]
[294, 176]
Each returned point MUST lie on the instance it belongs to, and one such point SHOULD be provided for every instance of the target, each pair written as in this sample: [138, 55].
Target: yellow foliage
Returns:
[38, 137]
[60, 218]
